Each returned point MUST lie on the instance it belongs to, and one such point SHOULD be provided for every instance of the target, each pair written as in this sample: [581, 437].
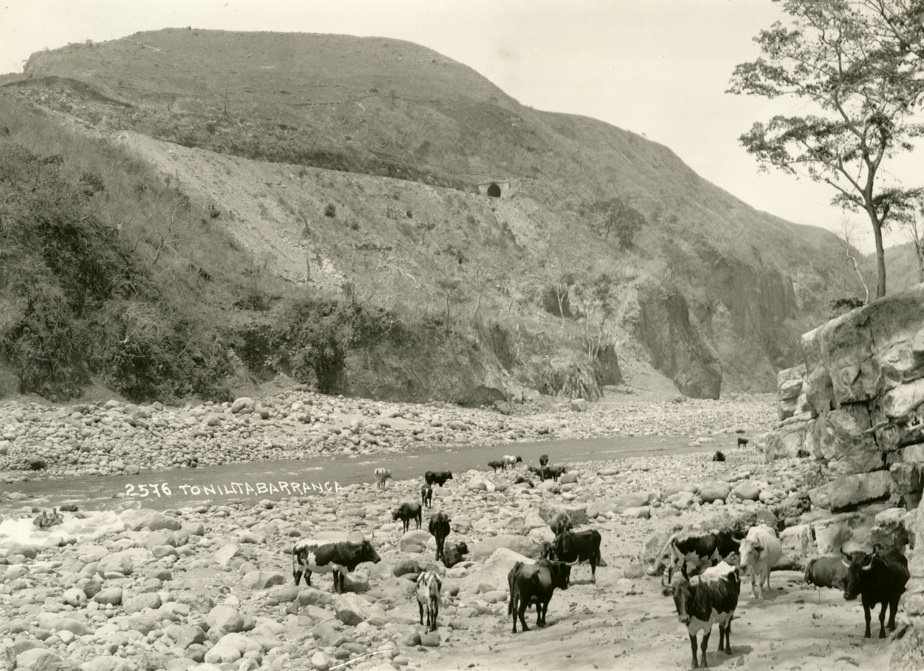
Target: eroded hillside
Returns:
[351, 167]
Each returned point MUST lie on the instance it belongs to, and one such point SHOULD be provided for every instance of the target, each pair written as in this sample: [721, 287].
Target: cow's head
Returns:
[751, 551]
[519, 459]
[368, 553]
[683, 597]
[561, 574]
[857, 563]
[545, 550]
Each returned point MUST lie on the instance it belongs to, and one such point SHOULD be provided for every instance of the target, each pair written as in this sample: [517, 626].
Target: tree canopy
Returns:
[860, 63]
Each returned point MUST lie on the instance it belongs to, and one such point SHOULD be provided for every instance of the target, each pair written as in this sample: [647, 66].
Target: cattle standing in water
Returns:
[440, 527]
[426, 496]
[711, 600]
[760, 551]
[498, 463]
[454, 553]
[578, 546]
[535, 583]
[313, 556]
[428, 597]
[381, 475]
[544, 460]
[826, 572]
[407, 512]
[511, 460]
[876, 578]
[437, 477]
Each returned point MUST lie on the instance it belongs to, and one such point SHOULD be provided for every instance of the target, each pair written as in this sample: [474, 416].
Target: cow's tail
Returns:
[511, 604]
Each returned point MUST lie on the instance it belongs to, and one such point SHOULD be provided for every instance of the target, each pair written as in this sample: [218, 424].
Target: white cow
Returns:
[760, 551]
[381, 475]
[428, 597]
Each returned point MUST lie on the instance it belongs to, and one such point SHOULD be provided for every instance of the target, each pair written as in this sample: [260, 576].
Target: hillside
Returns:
[901, 266]
[345, 171]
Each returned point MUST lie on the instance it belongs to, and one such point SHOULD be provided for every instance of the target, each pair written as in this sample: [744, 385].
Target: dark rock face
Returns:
[677, 347]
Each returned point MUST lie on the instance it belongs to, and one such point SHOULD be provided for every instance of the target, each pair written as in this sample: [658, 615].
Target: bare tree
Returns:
[850, 253]
[166, 235]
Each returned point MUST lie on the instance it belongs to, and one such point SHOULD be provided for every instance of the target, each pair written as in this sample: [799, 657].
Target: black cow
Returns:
[712, 599]
[407, 512]
[718, 456]
[498, 463]
[708, 547]
[876, 578]
[341, 558]
[454, 553]
[535, 583]
[553, 472]
[578, 546]
[560, 523]
[826, 572]
[437, 477]
[544, 460]
[426, 496]
[440, 527]
[535, 470]
[742, 442]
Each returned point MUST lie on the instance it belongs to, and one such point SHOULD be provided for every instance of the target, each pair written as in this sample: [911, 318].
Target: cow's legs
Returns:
[434, 611]
[893, 606]
[882, 612]
[721, 637]
[297, 574]
[521, 612]
[420, 607]
[703, 647]
[308, 577]
[867, 616]
[593, 569]
[728, 636]
[693, 648]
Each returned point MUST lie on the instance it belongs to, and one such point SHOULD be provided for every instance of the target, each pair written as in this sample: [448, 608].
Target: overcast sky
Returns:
[656, 67]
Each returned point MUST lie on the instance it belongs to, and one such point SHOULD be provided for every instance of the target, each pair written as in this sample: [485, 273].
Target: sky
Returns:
[656, 67]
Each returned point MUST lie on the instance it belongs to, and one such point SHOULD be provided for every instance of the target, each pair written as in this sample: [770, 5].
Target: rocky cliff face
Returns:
[856, 404]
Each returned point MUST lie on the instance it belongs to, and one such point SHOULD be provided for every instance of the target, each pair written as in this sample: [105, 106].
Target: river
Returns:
[321, 476]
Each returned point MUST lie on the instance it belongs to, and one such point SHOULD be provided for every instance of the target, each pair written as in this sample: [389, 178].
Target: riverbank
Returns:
[209, 588]
[113, 437]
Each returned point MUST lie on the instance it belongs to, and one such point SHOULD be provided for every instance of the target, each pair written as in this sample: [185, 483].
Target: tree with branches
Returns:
[864, 92]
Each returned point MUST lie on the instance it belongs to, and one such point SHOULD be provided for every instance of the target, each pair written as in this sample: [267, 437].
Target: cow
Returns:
[498, 463]
[876, 578]
[511, 460]
[544, 460]
[428, 597]
[827, 571]
[407, 512]
[712, 599]
[536, 470]
[426, 496]
[718, 456]
[578, 546]
[707, 548]
[523, 480]
[535, 583]
[437, 477]
[742, 442]
[454, 553]
[560, 523]
[314, 556]
[439, 527]
[381, 475]
[760, 551]
[552, 472]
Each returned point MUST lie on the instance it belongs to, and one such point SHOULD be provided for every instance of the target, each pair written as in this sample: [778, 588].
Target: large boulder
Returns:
[492, 574]
[415, 541]
[577, 513]
[843, 439]
[850, 490]
[518, 544]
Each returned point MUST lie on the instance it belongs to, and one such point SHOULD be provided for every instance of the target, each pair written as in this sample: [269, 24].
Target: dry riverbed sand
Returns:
[210, 587]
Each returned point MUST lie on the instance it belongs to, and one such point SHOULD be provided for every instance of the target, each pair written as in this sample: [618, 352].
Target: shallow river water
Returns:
[321, 476]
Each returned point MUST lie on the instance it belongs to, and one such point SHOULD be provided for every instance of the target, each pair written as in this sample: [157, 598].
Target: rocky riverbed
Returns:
[112, 437]
[210, 587]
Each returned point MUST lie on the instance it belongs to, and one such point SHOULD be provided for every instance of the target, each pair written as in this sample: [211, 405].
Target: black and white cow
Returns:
[428, 597]
[711, 599]
[512, 460]
[426, 496]
[310, 556]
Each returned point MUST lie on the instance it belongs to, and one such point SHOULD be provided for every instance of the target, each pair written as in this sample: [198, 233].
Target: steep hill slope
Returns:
[600, 239]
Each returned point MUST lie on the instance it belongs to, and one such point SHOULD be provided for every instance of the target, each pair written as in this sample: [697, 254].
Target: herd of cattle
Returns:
[702, 572]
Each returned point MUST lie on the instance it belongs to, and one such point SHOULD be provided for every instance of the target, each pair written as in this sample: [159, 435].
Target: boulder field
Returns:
[210, 587]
